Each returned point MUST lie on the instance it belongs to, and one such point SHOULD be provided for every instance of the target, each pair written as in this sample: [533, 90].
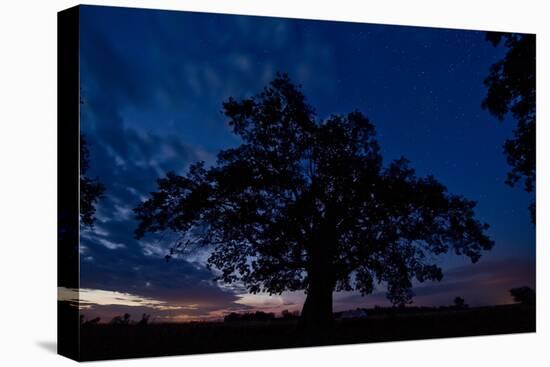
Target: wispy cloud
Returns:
[110, 245]
[88, 297]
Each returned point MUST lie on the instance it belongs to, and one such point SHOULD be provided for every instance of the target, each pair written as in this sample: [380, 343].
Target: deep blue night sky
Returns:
[152, 85]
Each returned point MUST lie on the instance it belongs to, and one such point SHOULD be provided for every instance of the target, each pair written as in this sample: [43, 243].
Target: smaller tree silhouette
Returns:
[93, 321]
[286, 314]
[144, 320]
[460, 303]
[523, 295]
[121, 320]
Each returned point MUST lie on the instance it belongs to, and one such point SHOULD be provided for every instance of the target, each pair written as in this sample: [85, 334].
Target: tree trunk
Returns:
[317, 310]
[316, 318]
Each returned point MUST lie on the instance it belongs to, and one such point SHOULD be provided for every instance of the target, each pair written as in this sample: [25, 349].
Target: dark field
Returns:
[103, 341]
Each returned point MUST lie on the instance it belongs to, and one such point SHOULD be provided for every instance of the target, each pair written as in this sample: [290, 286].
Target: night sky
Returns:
[152, 85]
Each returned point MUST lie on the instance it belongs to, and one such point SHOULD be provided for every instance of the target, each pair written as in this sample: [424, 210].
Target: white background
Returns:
[28, 183]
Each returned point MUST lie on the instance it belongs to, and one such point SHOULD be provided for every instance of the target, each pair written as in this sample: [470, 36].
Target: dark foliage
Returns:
[144, 320]
[308, 204]
[91, 190]
[459, 302]
[249, 317]
[93, 321]
[511, 88]
[288, 315]
[121, 320]
[524, 295]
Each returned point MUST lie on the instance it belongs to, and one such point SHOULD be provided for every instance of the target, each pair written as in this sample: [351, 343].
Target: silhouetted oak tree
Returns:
[91, 190]
[511, 87]
[304, 204]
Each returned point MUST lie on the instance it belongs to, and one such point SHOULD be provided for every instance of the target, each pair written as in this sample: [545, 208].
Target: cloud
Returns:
[101, 297]
[110, 245]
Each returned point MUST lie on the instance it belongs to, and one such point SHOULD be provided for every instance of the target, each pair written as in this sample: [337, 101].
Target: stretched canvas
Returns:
[234, 183]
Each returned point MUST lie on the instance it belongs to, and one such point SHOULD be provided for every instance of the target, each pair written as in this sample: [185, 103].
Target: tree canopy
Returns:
[91, 189]
[307, 204]
[511, 88]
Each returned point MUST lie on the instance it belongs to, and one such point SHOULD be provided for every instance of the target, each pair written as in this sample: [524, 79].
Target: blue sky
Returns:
[152, 86]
